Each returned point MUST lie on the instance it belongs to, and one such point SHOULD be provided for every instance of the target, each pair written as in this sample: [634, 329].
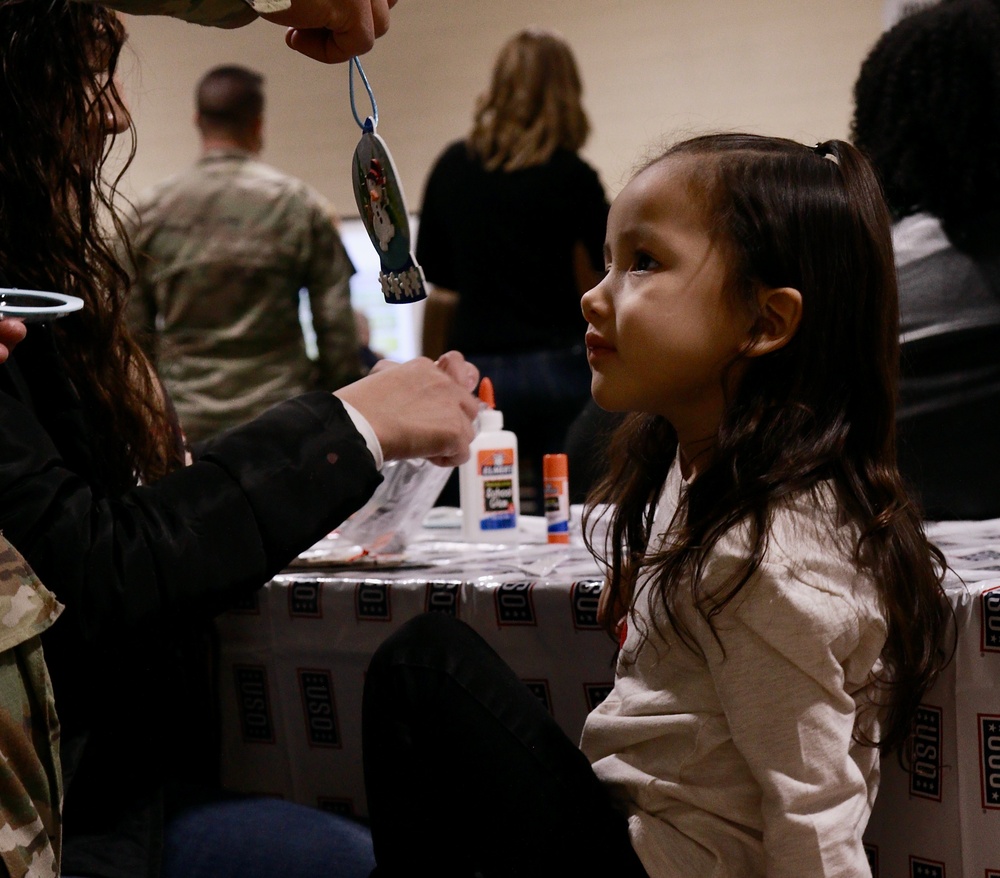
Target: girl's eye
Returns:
[643, 262]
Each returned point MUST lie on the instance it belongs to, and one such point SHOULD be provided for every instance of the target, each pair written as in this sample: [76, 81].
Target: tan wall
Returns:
[651, 69]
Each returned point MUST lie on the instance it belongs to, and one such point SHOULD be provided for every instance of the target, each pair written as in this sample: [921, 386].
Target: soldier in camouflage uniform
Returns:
[221, 251]
[30, 779]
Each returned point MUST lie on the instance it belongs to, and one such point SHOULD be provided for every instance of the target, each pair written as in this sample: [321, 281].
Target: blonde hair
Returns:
[532, 107]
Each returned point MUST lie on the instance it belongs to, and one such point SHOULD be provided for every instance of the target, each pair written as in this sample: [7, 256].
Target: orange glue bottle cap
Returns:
[490, 419]
[486, 393]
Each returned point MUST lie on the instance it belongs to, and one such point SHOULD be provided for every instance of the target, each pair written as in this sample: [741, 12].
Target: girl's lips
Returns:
[596, 345]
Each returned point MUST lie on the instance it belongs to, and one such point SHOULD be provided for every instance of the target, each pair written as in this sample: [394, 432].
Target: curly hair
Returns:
[787, 215]
[532, 107]
[927, 114]
[60, 110]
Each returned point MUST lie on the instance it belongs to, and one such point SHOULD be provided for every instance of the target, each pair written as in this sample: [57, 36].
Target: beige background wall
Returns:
[651, 69]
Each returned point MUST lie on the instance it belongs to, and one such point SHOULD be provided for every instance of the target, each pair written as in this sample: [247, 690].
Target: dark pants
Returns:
[467, 772]
[263, 838]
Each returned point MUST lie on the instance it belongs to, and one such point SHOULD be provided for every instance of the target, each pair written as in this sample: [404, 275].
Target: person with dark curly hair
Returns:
[141, 549]
[927, 114]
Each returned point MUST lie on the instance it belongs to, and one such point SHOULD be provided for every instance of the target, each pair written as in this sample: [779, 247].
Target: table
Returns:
[942, 818]
[293, 659]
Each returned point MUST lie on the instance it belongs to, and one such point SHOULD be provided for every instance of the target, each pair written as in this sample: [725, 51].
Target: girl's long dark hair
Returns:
[56, 90]
[820, 409]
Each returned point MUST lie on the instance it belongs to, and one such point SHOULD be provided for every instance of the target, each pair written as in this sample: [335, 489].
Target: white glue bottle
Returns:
[488, 481]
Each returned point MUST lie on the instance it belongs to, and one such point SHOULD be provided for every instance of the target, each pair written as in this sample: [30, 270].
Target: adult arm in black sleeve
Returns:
[186, 545]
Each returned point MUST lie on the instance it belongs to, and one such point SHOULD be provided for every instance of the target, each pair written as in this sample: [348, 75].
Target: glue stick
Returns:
[555, 475]
[488, 482]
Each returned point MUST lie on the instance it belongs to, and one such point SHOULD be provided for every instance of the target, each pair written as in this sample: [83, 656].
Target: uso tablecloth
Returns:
[293, 662]
[941, 819]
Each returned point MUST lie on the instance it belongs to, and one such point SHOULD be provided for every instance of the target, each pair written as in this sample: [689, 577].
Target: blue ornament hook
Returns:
[371, 121]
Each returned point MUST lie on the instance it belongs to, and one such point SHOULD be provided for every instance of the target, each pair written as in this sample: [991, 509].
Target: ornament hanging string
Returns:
[373, 118]
[381, 205]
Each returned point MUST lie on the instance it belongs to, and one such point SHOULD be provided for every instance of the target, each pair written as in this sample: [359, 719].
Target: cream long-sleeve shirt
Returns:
[740, 759]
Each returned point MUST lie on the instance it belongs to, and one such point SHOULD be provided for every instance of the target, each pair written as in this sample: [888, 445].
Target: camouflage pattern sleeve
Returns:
[218, 13]
[328, 276]
[30, 777]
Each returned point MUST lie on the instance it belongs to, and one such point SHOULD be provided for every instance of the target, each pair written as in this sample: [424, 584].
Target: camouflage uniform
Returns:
[30, 780]
[221, 252]
[221, 13]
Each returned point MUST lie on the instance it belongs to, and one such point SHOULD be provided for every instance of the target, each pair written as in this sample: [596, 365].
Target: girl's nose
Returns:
[590, 302]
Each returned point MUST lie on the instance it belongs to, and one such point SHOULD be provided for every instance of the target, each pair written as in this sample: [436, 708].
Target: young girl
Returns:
[779, 608]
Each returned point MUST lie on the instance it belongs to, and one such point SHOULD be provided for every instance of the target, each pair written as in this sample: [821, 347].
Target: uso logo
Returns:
[920, 868]
[596, 693]
[316, 689]
[989, 752]
[246, 605]
[341, 807]
[584, 596]
[925, 754]
[253, 704]
[540, 689]
[304, 600]
[371, 601]
[442, 597]
[990, 640]
[871, 854]
[514, 603]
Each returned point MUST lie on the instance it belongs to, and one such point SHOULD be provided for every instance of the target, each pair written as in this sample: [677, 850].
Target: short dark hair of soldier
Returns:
[230, 99]
[927, 114]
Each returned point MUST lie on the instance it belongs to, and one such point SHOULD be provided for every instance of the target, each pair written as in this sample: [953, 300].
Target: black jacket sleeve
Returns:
[185, 546]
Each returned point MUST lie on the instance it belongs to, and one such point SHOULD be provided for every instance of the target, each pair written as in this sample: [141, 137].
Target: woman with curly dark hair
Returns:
[927, 113]
[140, 549]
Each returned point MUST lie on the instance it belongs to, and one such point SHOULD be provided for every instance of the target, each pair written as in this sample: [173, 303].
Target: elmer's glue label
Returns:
[488, 481]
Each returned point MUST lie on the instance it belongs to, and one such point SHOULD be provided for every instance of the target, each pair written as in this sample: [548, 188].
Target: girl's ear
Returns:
[778, 319]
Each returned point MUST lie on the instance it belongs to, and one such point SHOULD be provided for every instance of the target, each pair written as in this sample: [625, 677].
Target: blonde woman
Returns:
[511, 235]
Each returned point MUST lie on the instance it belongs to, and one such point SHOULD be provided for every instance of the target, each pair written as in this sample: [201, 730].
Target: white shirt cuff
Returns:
[365, 429]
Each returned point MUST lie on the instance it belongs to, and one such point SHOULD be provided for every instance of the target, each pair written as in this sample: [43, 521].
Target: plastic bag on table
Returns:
[385, 524]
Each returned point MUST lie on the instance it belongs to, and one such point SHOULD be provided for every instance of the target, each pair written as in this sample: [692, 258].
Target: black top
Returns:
[140, 573]
[505, 242]
[948, 418]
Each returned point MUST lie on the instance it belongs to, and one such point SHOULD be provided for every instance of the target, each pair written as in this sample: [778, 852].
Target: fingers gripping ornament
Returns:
[383, 208]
